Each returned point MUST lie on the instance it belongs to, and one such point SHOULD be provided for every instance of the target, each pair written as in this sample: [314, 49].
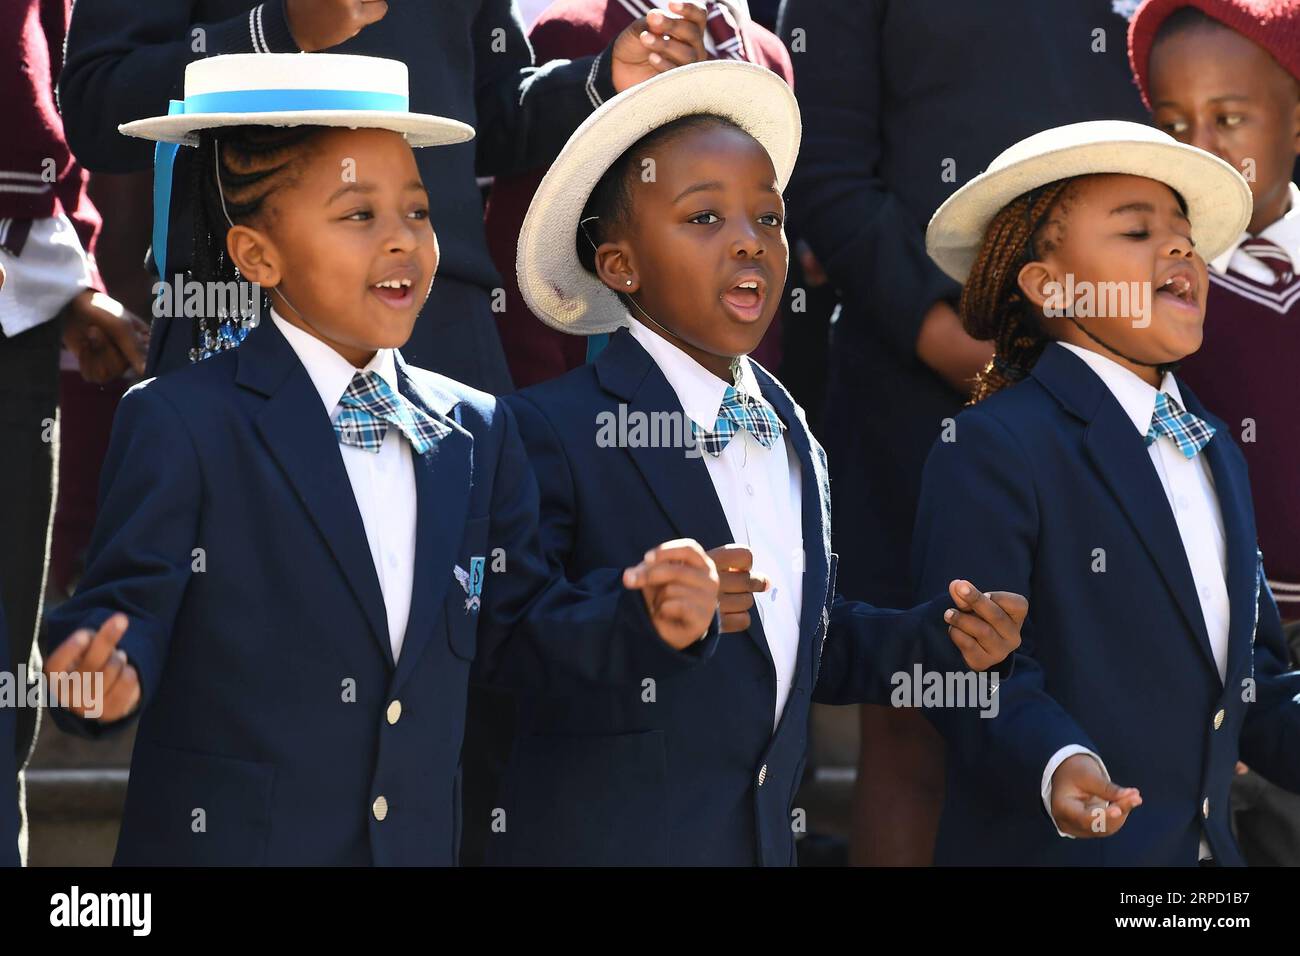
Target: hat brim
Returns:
[1218, 199]
[420, 129]
[556, 287]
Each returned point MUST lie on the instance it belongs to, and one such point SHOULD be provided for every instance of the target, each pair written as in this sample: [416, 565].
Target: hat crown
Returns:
[1079, 134]
[238, 72]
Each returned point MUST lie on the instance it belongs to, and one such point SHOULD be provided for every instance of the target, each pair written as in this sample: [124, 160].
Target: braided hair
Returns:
[251, 163]
[992, 306]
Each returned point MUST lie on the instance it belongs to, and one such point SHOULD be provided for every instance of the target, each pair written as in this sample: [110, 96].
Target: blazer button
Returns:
[394, 711]
[762, 774]
[1205, 808]
[1218, 719]
[380, 807]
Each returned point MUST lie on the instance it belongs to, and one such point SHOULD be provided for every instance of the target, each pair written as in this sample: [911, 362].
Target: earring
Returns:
[628, 282]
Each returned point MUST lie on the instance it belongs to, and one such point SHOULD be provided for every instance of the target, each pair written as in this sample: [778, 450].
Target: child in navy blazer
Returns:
[667, 203]
[1088, 474]
[304, 542]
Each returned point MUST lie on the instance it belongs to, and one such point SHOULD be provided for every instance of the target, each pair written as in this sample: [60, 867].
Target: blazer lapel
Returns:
[442, 483]
[1232, 488]
[815, 495]
[297, 431]
[1121, 459]
[679, 481]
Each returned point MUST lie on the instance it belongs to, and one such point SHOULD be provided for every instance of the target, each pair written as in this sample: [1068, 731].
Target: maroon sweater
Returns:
[31, 55]
[1246, 369]
[569, 29]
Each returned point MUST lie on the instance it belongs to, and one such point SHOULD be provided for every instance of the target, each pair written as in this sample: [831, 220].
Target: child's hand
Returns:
[680, 585]
[1084, 801]
[735, 564]
[106, 338]
[658, 42]
[84, 655]
[985, 627]
[321, 24]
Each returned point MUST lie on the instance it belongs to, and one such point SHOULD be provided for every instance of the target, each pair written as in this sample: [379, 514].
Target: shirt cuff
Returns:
[600, 78]
[1059, 758]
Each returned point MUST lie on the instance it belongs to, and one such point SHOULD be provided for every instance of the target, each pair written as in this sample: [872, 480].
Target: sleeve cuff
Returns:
[600, 77]
[1059, 758]
[263, 29]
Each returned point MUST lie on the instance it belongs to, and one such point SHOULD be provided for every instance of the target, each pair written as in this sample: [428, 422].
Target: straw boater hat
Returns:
[296, 89]
[1218, 199]
[554, 284]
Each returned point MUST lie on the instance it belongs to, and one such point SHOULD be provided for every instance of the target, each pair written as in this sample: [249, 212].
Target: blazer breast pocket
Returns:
[195, 809]
[464, 600]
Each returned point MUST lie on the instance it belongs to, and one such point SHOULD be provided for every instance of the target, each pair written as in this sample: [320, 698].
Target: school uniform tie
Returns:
[1273, 256]
[739, 412]
[1184, 429]
[370, 406]
[727, 42]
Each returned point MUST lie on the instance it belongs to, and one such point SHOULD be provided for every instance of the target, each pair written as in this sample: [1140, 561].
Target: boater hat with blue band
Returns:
[284, 89]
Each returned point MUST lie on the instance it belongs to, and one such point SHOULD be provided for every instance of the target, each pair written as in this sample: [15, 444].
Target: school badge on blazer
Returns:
[472, 582]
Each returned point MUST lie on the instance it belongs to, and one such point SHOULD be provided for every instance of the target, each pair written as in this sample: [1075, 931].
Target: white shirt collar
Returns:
[698, 389]
[1285, 232]
[330, 372]
[1136, 397]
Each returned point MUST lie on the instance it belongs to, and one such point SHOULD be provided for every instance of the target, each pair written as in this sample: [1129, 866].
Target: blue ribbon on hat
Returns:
[249, 101]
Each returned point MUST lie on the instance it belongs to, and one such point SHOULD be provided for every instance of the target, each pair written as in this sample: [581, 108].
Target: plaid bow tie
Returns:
[370, 406]
[1188, 432]
[739, 412]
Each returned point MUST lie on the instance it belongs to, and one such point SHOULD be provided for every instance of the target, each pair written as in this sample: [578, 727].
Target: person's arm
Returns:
[526, 112]
[869, 244]
[141, 554]
[977, 510]
[1270, 736]
[125, 59]
[538, 630]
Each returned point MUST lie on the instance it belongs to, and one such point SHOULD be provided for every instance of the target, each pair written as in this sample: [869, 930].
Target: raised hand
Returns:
[680, 585]
[641, 50]
[1085, 803]
[84, 655]
[985, 627]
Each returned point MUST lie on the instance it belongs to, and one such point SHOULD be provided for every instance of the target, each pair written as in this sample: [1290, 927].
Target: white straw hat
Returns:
[296, 89]
[1218, 199]
[554, 283]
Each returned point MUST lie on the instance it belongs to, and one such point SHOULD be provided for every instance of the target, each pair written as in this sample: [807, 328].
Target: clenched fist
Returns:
[680, 585]
[321, 24]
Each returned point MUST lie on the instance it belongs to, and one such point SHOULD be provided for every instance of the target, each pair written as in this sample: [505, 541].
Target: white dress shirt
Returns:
[1285, 233]
[760, 491]
[51, 271]
[1189, 489]
[383, 483]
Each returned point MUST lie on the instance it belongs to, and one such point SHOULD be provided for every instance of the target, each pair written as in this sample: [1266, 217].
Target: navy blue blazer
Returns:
[1044, 481]
[9, 821]
[273, 716]
[686, 770]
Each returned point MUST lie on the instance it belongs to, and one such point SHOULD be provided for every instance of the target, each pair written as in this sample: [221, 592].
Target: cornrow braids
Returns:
[992, 306]
[234, 171]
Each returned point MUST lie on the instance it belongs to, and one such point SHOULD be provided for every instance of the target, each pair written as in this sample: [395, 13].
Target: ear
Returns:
[615, 267]
[1039, 285]
[255, 255]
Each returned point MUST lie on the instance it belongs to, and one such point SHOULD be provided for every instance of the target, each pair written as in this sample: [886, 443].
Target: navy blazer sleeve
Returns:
[124, 61]
[142, 552]
[539, 630]
[866, 646]
[978, 515]
[1270, 735]
[870, 245]
[525, 112]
